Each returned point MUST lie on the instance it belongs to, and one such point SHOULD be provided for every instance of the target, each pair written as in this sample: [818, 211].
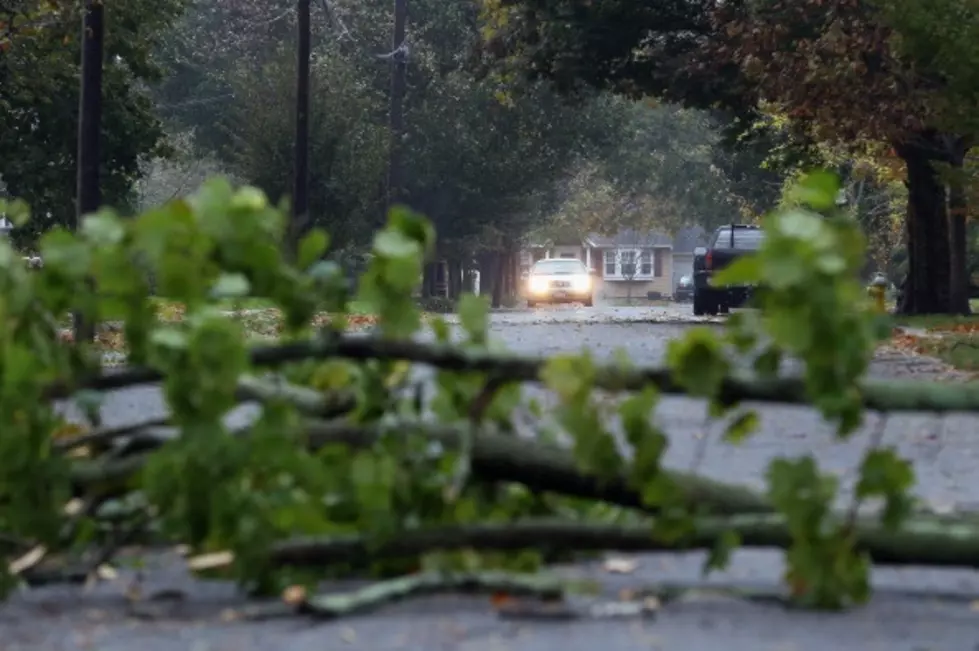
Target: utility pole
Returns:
[399, 73]
[300, 191]
[88, 195]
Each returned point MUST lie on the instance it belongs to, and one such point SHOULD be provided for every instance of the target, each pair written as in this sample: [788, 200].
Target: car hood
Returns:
[550, 277]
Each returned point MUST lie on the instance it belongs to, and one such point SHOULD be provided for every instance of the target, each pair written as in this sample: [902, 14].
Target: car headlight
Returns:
[538, 284]
[581, 283]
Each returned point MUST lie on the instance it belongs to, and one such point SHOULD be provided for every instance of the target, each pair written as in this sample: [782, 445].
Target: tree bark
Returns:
[487, 274]
[428, 280]
[499, 274]
[958, 238]
[88, 189]
[454, 279]
[927, 286]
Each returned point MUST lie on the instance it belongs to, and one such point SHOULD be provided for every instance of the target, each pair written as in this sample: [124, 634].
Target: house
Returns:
[628, 264]
[684, 242]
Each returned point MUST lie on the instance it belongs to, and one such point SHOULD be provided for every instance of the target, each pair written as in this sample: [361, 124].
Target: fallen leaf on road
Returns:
[210, 561]
[348, 635]
[294, 595]
[106, 573]
[620, 565]
[74, 506]
[27, 561]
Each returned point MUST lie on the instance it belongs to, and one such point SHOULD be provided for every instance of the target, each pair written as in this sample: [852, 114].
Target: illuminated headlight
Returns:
[581, 283]
[538, 285]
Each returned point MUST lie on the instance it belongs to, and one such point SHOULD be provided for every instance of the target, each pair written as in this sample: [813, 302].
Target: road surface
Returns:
[945, 451]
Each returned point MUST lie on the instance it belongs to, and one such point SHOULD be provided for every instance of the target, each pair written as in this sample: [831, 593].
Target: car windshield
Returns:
[559, 266]
[744, 238]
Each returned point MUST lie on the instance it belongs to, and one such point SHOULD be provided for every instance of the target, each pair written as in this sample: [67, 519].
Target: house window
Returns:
[571, 256]
[627, 263]
[610, 263]
[645, 264]
[657, 263]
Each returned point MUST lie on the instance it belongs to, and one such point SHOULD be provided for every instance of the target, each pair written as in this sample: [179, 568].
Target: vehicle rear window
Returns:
[744, 238]
[559, 266]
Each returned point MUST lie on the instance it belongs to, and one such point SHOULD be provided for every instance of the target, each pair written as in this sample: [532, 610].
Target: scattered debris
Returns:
[620, 565]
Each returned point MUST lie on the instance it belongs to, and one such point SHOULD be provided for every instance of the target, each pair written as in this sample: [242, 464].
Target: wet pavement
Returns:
[945, 451]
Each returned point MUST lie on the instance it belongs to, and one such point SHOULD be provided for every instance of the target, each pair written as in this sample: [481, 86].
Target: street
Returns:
[944, 450]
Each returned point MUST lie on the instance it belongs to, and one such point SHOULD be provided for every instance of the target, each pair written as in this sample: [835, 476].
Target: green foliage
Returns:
[220, 490]
[812, 308]
[811, 297]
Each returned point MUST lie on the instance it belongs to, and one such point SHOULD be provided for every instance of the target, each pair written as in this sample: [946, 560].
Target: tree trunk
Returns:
[468, 278]
[499, 275]
[958, 239]
[455, 279]
[926, 289]
[487, 274]
[428, 280]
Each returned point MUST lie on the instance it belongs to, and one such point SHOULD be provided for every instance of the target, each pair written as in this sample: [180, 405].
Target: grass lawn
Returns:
[952, 339]
[261, 321]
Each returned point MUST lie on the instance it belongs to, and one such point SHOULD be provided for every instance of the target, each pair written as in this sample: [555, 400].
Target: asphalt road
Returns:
[945, 451]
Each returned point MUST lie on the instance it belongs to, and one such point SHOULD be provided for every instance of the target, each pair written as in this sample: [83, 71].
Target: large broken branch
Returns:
[922, 541]
[495, 457]
[881, 395]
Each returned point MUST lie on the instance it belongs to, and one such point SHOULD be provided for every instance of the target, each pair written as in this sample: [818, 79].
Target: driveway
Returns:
[945, 451]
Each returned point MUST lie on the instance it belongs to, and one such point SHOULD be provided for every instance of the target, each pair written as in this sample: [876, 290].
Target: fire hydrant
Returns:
[877, 291]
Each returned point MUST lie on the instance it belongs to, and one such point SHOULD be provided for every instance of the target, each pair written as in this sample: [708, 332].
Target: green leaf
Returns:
[231, 286]
[394, 244]
[818, 190]
[474, 316]
[103, 228]
[884, 474]
[16, 210]
[744, 425]
[746, 270]
[720, 553]
[312, 247]
[169, 338]
[698, 362]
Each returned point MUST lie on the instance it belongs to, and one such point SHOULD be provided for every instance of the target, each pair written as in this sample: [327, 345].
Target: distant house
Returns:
[684, 242]
[630, 263]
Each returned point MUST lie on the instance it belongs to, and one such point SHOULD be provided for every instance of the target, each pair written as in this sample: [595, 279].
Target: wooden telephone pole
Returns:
[399, 73]
[88, 197]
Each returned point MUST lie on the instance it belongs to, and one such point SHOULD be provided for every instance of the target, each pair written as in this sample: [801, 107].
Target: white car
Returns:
[559, 280]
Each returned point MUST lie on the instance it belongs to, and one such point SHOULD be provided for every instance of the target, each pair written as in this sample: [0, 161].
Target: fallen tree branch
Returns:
[382, 593]
[309, 402]
[922, 541]
[495, 457]
[881, 395]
